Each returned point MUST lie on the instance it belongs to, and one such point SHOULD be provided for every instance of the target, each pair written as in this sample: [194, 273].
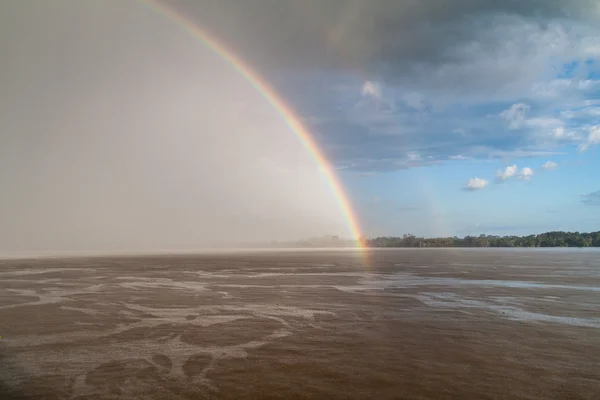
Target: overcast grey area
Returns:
[119, 131]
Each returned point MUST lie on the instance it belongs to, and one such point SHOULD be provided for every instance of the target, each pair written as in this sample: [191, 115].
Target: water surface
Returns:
[413, 323]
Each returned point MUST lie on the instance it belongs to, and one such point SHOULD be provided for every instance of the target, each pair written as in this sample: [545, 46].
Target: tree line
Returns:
[547, 239]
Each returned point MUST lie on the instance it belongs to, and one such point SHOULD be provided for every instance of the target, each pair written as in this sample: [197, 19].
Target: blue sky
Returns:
[416, 181]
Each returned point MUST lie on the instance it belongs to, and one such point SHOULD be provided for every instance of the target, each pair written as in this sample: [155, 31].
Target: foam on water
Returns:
[404, 280]
[452, 300]
[40, 271]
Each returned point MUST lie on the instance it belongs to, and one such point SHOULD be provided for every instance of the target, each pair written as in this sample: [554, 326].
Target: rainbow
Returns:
[276, 102]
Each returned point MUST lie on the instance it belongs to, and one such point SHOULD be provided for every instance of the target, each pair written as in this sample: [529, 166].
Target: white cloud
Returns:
[556, 135]
[508, 172]
[558, 132]
[594, 111]
[371, 89]
[509, 56]
[459, 157]
[526, 173]
[413, 156]
[476, 184]
[549, 130]
[548, 165]
[593, 138]
[541, 122]
[515, 115]
[551, 89]
[562, 87]
[581, 112]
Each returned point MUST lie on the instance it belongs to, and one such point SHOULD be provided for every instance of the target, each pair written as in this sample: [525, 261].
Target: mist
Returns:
[120, 132]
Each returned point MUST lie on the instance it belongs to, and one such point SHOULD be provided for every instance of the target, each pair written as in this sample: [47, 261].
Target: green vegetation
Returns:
[548, 239]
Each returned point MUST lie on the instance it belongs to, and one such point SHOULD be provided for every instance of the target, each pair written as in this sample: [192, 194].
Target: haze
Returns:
[121, 132]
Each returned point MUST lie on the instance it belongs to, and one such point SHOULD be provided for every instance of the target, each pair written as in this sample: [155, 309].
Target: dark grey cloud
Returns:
[591, 199]
[392, 39]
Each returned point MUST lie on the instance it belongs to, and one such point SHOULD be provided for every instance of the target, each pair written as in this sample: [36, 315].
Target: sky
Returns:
[120, 131]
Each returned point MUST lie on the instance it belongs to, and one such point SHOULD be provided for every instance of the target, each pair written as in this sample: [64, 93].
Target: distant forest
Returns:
[548, 239]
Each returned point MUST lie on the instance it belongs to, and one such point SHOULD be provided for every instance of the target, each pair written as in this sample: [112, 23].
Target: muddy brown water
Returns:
[399, 324]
